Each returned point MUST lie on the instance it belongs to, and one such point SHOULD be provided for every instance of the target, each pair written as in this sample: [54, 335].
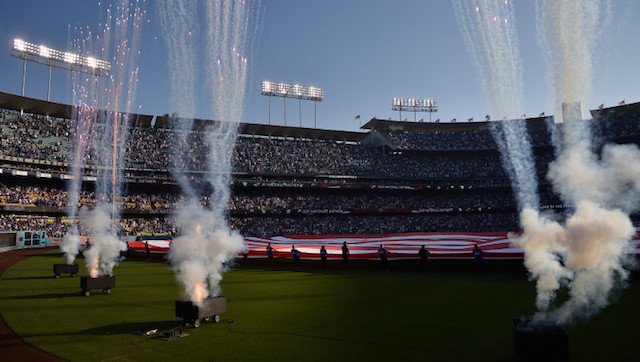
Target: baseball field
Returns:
[278, 313]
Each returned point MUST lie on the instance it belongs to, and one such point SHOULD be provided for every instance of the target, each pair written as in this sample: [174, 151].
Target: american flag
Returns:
[452, 245]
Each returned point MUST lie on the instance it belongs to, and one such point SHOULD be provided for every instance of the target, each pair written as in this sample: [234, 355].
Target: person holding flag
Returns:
[323, 257]
[345, 255]
[424, 258]
[296, 256]
[479, 259]
[270, 252]
[383, 257]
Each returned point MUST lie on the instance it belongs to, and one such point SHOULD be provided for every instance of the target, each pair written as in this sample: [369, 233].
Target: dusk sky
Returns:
[362, 53]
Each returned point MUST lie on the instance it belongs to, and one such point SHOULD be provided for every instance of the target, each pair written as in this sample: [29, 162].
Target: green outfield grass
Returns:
[276, 313]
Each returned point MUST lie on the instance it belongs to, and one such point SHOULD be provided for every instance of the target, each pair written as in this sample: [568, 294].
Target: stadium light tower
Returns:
[55, 58]
[297, 91]
[415, 106]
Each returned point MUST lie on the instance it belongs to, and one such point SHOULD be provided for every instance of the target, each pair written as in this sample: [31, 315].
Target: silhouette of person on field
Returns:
[323, 257]
[270, 253]
[296, 256]
[383, 258]
[424, 258]
[479, 259]
[345, 255]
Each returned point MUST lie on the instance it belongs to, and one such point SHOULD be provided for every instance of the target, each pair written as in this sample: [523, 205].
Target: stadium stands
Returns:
[421, 177]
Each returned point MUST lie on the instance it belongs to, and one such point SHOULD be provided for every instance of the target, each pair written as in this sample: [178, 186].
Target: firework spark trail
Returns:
[228, 33]
[488, 29]
[70, 243]
[179, 29]
[95, 131]
[198, 256]
[568, 32]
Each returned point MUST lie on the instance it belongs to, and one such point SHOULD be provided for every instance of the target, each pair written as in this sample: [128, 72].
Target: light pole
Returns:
[414, 105]
[302, 93]
[55, 58]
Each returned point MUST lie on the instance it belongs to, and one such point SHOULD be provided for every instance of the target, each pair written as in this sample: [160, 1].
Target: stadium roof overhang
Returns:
[618, 111]
[378, 124]
[36, 106]
[256, 129]
[58, 110]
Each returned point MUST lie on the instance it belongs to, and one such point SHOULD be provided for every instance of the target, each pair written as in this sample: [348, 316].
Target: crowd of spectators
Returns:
[464, 140]
[33, 136]
[469, 154]
[375, 224]
[278, 202]
[269, 226]
[53, 139]
[55, 226]
[606, 127]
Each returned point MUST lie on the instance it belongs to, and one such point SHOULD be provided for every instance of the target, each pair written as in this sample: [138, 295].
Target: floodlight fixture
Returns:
[292, 91]
[42, 54]
[296, 91]
[56, 58]
[414, 105]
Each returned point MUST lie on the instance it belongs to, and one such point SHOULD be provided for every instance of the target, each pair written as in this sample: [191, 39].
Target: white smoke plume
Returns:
[70, 245]
[543, 243]
[597, 239]
[611, 180]
[104, 253]
[199, 255]
[587, 253]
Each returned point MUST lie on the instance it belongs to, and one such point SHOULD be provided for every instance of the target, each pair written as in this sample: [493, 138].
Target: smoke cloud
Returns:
[586, 254]
[584, 250]
[200, 254]
[104, 253]
[70, 245]
[611, 180]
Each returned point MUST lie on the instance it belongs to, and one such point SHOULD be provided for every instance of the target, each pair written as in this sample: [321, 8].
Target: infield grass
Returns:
[275, 313]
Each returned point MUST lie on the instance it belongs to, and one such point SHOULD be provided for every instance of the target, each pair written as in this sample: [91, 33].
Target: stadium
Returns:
[173, 236]
[401, 184]
[395, 178]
